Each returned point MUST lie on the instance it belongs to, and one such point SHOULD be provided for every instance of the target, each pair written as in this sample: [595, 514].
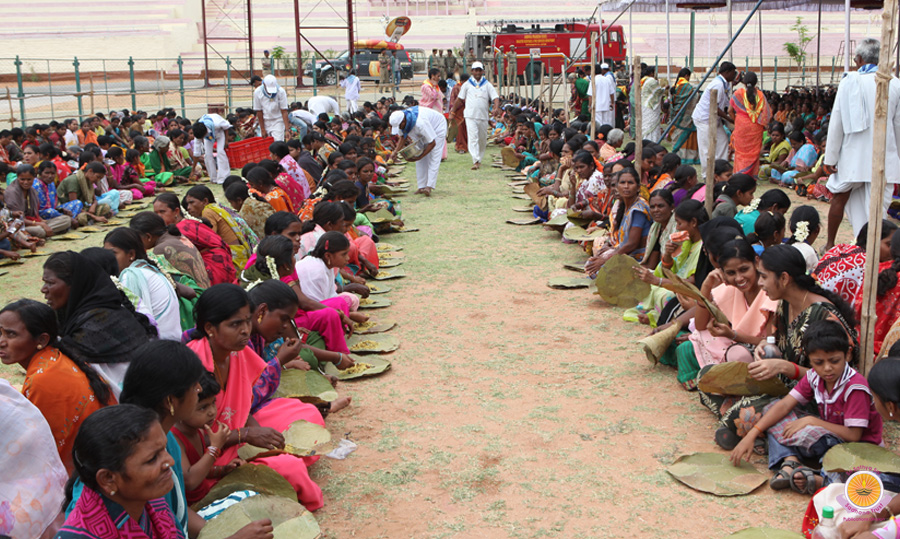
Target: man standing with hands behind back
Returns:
[477, 94]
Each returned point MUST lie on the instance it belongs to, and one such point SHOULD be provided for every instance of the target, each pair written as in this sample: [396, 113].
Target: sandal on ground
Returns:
[785, 478]
[810, 475]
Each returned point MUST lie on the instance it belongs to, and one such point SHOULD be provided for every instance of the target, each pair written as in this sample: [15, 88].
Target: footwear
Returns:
[783, 478]
[810, 475]
[428, 191]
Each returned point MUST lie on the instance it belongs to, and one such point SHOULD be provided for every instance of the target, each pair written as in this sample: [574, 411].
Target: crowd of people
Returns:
[157, 354]
[787, 310]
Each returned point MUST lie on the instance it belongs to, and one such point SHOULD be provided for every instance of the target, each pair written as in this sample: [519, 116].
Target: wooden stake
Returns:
[566, 94]
[711, 148]
[552, 88]
[541, 98]
[593, 59]
[92, 94]
[637, 119]
[12, 114]
[876, 199]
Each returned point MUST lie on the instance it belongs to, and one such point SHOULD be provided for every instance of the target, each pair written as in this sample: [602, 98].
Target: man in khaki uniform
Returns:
[499, 66]
[450, 64]
[489, 63]
[384, 70]
[470, 59]
[511, 66]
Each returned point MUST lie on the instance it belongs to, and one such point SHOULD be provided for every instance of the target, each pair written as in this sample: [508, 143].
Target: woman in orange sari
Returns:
[750, 113]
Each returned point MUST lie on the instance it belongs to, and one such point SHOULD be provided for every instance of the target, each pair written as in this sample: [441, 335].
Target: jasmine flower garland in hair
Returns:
[273, 268]
[754, 204]
[802, 231]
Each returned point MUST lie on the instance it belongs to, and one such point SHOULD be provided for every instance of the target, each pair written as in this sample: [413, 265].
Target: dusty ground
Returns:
[512, 410]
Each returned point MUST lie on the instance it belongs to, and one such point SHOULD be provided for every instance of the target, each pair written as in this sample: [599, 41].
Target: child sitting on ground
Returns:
[200, 446]
[317, 272]
[846, 412]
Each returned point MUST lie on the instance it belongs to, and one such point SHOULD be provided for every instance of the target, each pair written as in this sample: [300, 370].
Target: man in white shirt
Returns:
[851, 135]
[477, 94]
[303, 120]
[209, 129]
[603, 88]
[352, 87]
[323, 103]
[427, 129]
[270, 104]
[704, 108]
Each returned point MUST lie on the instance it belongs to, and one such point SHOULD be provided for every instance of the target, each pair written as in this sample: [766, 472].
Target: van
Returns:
[366, 53]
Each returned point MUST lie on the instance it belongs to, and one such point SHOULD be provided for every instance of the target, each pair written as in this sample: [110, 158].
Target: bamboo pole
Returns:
[93, 111]
[541, 94]
[637, 119]
[876, 200]
[593, 59]
[552, 88]
[710, 178]
[567, 94]
[12, 113]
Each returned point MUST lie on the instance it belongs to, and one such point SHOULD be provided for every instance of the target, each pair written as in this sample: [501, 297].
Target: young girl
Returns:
[262, 184]
[769, 231]
[130, 188]
[845, 405]
[685, 184]
[316, 271]
[805, 227]
[738, 191]
[200, 446]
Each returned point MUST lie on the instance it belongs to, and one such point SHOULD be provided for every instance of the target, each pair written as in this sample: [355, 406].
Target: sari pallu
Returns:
[619, 234]
[887, 309]
[97, 517]
[234, 409]
[294, 181]
[581, 97]
[246, 237]
[686, 133]
[750, 122]
[651, 108]
[216, 254]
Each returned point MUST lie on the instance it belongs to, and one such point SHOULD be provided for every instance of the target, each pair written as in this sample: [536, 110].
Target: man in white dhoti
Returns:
[603, 89]
[704, 108]
[850, 141]
[427, 129]
[477, 94]
[352, 87]
[210, 129]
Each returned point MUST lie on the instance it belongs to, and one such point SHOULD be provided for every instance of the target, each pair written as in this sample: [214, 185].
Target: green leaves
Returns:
[254, 477]
[290, 519]
[854, 456]
[616, 282]
[714, 473]
[568, 282]
[309, 386]
[765, 533]
[734, 379]
[379, 365]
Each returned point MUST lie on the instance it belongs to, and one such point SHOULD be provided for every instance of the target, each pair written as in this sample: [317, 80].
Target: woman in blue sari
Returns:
[630, 224]
[802, 159]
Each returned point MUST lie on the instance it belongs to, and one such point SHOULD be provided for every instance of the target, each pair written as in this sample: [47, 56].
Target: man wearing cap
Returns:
[603, 90]
[427, 129]
[270, 103]
[477, 94]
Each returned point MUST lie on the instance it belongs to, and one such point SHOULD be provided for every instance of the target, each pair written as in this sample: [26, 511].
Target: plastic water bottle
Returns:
[770, 350]
[827, 529]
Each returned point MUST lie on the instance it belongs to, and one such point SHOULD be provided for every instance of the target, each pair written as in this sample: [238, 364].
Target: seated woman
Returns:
[800, 302]
[49, 206]
[144, 278]
[121, 460]
[317, 271]
[276, 340]
[252, 207]
[80, 186]
[840, 269]
[294, 182]
[179, 156]
[678, 255]
[556, 195]
[224, 327]
[217, 257]
[801, 159]
[120, 179]
[159, 165]
[779, 150]
[734, 288]
[629, 224]
[200, 203]
[812, 184]
[661, 208]
[583, 197]
[670, 164]
[329, 318]
[262, 185]
[167, 242]
[738, 191]
[685, 185]
[805, 226]
[773, 200]
[98, 325]
[66, 391]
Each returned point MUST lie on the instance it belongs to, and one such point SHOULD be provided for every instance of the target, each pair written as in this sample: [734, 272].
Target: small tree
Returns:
[797, 49]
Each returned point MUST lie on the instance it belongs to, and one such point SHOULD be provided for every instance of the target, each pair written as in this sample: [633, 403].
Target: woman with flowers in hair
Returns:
[805, 227]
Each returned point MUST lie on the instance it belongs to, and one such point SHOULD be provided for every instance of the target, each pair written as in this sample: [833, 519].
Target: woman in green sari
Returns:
[678, 255]
[160, 165]
[684, 131]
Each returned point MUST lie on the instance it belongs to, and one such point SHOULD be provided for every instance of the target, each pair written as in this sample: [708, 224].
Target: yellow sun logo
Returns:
[864, 489]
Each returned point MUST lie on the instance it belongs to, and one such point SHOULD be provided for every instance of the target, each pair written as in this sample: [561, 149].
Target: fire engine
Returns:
[553, 42]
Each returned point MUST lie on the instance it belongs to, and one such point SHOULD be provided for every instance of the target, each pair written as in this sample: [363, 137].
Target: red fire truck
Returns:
[557, 43]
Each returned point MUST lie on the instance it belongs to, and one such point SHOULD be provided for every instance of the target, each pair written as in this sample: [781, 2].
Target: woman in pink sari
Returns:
[432, 96]
[751, 115]
[223, 322]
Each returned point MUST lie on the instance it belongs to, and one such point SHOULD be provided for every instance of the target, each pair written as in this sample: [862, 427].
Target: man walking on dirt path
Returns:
[477, 95]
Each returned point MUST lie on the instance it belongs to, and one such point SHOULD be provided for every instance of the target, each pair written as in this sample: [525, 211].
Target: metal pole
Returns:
[106, 84]
[316, 79]
[712, 68]
[762, 59]
[833, 62]
[846, 36]
[228, 80]
[711, 149]
[297, 44]
[181, 84]
[50, 89]
[76, 63]
[131, 78]
[693, 34]
[350, 29]
[206, 46]
[668, 44]
[21, 90]
[250, 36]
[600, 26]
[776, 75]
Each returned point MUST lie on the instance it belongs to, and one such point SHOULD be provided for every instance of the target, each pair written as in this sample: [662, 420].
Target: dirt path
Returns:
[514, 410]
